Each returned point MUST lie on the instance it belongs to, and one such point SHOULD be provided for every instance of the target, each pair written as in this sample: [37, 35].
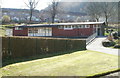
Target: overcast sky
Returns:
[21, 4]
[42, 3]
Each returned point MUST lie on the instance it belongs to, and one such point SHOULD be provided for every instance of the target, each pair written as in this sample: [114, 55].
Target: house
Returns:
[81, 29]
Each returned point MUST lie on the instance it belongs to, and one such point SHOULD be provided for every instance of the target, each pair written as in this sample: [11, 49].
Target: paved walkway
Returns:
[96, 45]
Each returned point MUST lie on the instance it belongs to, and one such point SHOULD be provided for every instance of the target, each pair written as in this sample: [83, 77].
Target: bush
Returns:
[19, 47]
[117, 46]
[119, 33]
[115, 35]
[6, 19]
[107, 43]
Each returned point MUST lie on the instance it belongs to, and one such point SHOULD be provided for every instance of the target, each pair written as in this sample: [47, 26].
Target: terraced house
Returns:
[81, 29]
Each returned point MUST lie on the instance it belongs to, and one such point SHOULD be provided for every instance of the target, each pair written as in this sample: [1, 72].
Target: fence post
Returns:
[9, 49]
[66, 45]
[36, 45]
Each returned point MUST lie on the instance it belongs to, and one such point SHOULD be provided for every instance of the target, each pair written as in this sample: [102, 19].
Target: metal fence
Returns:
[90, 38]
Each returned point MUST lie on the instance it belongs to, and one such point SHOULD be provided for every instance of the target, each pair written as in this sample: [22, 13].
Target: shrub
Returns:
[19, 47]
[115, 35]
[118, 33]
[107, 43]
[117, 46]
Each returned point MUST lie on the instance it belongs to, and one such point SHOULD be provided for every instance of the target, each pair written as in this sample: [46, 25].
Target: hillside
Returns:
[72, 8]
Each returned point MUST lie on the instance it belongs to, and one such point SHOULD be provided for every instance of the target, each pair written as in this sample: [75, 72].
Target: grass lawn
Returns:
[79, 63]
[2, 32]
[3, 28]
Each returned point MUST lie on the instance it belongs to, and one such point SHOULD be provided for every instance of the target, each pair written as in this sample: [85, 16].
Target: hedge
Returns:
[17, 47]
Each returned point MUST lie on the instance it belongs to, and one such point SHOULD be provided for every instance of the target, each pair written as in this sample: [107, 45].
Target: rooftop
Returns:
[59, 24]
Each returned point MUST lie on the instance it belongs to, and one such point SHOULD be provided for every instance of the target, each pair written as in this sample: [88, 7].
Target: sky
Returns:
[20, 4]
[42, 3]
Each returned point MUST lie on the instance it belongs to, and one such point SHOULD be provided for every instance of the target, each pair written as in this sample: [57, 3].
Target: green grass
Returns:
[79, 63]
[2, 32]
[106, 34]
[3, 28]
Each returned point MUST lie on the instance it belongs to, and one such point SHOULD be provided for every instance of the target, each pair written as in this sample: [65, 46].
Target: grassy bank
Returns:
[3, 28]
[2, 32]
[79, 63]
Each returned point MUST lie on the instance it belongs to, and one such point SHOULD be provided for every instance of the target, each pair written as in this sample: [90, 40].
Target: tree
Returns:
[6, 19]
[93, 9]
[108, 9]
[43, 15]
[53, 9]
[78, 19]
[0, 15]
[31, 5]
[102, 9]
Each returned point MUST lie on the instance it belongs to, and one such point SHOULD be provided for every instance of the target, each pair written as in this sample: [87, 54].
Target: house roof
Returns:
[58, 24]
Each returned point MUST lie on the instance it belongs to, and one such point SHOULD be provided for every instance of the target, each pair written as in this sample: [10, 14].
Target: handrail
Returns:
[90, 38]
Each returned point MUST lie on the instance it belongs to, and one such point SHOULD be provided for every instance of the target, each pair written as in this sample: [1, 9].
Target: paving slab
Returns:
[96, 45]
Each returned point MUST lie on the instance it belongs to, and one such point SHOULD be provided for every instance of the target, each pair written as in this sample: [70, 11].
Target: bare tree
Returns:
[108, 9]
[31, 5]
[53, 9]
[43, 15]
[93, 9]
[102, 9]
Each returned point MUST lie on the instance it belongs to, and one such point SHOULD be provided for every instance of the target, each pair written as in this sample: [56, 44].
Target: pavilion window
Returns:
[82, 26]
[18, 28]
[68, 26]
[74, 26]
[60, 27]
[87, 26]
[30, 31]
[79, 26]
[35, 31]
[65, 26]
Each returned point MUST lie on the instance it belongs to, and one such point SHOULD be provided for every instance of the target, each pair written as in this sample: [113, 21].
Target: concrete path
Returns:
[96, 45]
